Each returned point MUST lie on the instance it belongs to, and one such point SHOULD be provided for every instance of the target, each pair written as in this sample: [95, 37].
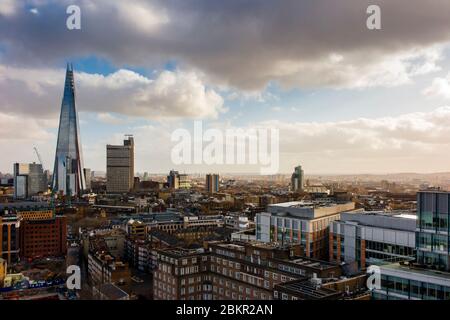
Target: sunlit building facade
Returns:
[120, 166]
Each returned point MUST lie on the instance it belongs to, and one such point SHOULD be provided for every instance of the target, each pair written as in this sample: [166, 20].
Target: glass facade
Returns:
[384, 252]
[68, 176]
[432, 233]
[396, 288]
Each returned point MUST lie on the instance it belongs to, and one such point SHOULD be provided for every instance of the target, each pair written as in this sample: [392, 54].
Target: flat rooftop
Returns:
[179, 253]
[311, 263]
[112, 291]
[400, 220]
[253, 244]
[310, 209]
[305, 204]
[308, 290]
[23, 205]
[417, 272]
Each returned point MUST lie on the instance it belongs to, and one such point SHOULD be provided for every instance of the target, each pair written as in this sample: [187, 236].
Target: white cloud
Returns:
[171, 95]
[8, 7]
[141, 15]
[440, 87]
[108, 118]
[352, 72]
[14, 127]
[415, 142]
[18, 136]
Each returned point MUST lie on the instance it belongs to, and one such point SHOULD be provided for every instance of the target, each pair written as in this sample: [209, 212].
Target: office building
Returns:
[306, 223]
[136, 229]
[410, 282]
[29, 180]
[297, 179]
[185, 183]
[428, 278]
[368, 238]
[432, 233]
[120, 167]
[138, 254]
[9, 237]
[237, 221]
[68, 177]
[203, 221]
[88, 178]
[21, 181]
[42, 234]
[173, 180]
[212, 183]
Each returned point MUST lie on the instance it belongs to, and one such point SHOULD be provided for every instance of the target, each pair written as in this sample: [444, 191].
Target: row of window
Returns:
[414, 289]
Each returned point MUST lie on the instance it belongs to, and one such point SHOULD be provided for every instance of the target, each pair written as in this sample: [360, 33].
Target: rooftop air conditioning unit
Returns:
[316, 281]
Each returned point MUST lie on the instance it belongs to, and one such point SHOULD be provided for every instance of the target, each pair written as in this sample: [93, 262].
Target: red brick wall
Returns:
[43, 238]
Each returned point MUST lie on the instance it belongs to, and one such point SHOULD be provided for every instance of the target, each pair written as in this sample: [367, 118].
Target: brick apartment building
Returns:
[237, 271]
[181, 275]
[104, 267]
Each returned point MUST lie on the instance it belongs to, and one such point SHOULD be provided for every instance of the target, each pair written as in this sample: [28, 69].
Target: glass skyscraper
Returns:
[68, 176]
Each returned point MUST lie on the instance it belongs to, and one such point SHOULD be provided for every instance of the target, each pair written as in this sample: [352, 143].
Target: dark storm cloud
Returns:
[244, 43]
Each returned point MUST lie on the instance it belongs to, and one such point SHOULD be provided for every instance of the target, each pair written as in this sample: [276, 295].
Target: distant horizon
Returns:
[162, 174]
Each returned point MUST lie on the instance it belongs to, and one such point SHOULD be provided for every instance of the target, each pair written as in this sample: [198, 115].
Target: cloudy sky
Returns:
[345, 99]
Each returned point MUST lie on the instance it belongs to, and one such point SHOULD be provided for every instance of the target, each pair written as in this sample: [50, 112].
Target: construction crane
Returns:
[39, 157]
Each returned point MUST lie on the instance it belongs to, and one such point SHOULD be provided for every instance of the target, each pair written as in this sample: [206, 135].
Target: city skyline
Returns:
[370, 106]
[248, 155]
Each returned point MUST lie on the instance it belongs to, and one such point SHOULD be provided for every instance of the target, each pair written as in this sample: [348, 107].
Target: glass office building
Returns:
[68, 176]
[428, 279]
[432, 233]
[402, 282]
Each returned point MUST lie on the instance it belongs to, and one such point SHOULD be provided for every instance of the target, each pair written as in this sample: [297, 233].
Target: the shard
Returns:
[68, 177]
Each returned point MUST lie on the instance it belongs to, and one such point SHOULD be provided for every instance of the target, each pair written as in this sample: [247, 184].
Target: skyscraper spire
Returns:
[68, 176]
